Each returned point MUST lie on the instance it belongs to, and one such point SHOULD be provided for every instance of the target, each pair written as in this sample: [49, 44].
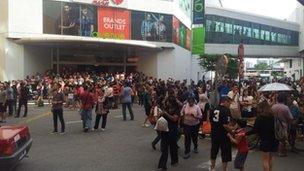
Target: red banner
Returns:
[175, 36]
[114, 23]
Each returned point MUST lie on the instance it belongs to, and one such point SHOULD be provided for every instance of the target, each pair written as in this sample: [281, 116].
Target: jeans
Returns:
[10, 105]
[191, 133]
[168, 141]
[124, 106]
[58, 113]
[22, 103]
[103, 123]
[86, 117]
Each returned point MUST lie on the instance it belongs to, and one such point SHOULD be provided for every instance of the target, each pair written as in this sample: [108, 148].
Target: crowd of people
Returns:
[174, 108]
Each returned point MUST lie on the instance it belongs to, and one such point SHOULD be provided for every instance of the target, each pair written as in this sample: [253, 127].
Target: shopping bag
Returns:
[206, 127]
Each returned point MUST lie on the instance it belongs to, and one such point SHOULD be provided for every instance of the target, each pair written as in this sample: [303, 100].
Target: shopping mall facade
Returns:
[151, 36]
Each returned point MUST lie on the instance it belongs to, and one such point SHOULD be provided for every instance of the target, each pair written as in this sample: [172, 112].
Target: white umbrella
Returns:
[275, 87]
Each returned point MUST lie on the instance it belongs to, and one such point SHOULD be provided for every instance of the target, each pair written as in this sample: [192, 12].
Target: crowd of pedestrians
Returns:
[173, 107]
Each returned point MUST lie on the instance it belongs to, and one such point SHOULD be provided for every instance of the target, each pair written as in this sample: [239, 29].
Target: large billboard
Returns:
[181, 34]
[151, 26]
[69, 19]
[114, 23]
[198, 11]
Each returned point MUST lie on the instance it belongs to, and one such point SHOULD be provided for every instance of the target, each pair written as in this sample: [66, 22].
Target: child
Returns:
[240, 139]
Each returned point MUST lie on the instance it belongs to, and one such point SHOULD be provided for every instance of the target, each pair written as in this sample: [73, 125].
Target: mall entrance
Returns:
[111, 60]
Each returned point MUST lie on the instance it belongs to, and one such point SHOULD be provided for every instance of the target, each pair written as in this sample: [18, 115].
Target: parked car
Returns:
[15, 143]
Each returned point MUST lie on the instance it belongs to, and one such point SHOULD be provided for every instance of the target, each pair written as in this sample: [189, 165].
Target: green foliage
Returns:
[277, 74]
[261, 66]
[208, 62]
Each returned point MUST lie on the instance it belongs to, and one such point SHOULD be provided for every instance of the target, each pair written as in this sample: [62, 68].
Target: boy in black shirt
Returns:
[220, 119]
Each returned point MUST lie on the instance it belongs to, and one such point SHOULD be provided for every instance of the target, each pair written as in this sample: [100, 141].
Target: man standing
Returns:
[126, 101]
[220, 119]
[2, 103]
[283, 114]
[10, 99]
[87, 103]
[23, 99]
[57, 110]
[235, 105]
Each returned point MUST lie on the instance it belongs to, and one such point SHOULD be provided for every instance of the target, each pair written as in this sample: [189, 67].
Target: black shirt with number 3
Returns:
[218, 118]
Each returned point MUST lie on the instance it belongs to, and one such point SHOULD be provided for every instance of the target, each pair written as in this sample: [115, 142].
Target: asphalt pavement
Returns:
[124, 146]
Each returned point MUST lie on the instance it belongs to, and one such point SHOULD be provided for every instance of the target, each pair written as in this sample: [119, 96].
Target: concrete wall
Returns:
[14, 61]
[166, 64]
[296, 69]
[147, 63]
[36, 59]
[3, 33]
[25, 17]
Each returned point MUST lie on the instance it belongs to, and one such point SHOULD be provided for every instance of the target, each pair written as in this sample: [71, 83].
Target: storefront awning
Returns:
[58, 40]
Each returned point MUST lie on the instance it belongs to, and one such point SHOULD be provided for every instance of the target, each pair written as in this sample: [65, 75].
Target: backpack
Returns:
[279, 129]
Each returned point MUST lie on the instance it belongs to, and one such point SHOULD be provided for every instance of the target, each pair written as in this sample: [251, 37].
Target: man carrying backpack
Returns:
[283, 118]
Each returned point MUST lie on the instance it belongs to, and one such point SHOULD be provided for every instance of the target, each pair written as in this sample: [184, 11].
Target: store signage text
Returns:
[103, 3]
[114, 23]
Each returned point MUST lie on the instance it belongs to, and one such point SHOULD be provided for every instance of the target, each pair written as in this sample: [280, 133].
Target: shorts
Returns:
[269, 146]
[225, 146]
[2, 108]
[240, 159]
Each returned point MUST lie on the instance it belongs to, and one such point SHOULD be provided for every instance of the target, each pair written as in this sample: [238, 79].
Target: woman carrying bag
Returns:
[192, 115]
[102, 110]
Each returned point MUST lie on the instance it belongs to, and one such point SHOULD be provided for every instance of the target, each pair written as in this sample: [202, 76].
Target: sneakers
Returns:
[54, 132]
[62, 133]
[186, 156]
[103, 129]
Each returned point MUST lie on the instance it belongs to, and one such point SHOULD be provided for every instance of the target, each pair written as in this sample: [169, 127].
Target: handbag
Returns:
[161, 125]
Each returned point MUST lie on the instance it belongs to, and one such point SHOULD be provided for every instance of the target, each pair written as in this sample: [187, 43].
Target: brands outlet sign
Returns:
[198, 11]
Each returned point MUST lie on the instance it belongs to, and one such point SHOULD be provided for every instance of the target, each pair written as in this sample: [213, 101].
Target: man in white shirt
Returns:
[235, 105]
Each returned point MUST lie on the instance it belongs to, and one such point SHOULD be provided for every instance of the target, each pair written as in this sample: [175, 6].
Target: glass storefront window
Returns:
[256, 33]
[237, 30]
[267, 35]
[228, 28]
[247, 31]
[219, 27]
[273, 37]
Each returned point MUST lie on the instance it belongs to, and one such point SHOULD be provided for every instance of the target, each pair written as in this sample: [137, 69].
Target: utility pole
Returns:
[220, 1]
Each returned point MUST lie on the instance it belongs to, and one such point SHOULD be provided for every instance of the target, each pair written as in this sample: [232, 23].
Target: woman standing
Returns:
[192, 115]
[147, 96]
[169, 139]
[264, 127]
[102, 110]
[205, 108]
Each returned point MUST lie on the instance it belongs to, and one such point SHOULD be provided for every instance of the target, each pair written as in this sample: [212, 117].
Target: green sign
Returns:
[198, 41]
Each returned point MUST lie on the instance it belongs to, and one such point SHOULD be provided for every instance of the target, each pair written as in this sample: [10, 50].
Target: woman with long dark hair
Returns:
[264, 127]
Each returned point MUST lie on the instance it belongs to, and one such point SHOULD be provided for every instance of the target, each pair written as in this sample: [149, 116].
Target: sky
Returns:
[280, 9]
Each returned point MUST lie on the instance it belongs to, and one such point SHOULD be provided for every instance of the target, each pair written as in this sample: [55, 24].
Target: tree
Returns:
[261, 66]
[209, 61]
